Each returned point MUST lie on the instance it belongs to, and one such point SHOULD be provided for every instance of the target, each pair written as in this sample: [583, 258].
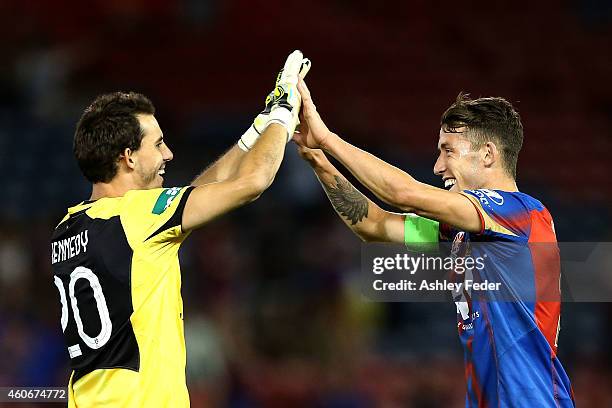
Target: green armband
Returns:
[421, 233]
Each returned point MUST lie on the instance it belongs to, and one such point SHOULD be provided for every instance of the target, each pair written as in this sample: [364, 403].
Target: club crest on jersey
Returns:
[457, 241]
[165, 199]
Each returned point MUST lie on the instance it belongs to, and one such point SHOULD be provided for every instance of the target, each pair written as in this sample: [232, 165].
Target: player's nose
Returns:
[168, 155]
[439, 166]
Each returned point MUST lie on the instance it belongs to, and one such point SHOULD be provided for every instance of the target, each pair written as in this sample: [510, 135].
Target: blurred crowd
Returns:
[274, 316]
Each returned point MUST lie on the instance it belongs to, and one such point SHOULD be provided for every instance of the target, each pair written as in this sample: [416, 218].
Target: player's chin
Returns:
[157, 182]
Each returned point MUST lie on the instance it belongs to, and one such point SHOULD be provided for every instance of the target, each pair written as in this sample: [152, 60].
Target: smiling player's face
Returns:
[151, 158]
[459, 166]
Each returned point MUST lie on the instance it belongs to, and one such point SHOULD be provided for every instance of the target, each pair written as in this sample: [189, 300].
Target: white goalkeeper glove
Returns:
[282, 104]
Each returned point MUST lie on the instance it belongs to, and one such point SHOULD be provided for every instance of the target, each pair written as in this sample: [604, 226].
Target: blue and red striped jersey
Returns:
[510, 338]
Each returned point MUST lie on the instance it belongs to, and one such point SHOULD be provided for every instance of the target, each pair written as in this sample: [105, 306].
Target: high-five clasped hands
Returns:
[312, 133]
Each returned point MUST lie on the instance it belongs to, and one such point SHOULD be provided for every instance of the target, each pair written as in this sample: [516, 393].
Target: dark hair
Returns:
[107, 127]
[488, 119]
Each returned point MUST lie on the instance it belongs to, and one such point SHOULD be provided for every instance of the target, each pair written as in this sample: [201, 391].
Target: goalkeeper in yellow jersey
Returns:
[115, 256]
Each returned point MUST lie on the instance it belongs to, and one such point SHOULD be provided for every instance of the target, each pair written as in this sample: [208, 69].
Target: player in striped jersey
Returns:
[510, 347]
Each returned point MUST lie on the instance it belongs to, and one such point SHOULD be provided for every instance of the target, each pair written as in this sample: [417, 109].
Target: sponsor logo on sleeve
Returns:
[165, 199]
[484, 195]
[494, 196]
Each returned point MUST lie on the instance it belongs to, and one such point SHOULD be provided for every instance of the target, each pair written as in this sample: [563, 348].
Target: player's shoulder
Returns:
[144, 193]
[530, 202]
[509, 213]
[155, 200]
[153, 212]
[505, 201]
[133, 196]
[103, 208]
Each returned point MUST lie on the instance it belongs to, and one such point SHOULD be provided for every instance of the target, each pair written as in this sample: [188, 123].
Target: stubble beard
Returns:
[148, 179]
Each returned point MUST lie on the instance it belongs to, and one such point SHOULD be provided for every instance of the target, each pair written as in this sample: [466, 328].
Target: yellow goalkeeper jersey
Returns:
[116, 267]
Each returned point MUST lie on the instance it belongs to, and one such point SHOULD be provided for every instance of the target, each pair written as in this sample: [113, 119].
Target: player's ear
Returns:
[128, 158]
[491, 154]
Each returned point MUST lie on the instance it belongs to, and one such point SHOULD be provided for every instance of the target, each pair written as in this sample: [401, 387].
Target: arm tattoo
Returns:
[347, 200]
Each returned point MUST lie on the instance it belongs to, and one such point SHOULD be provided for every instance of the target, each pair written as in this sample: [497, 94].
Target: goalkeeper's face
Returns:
[460, 167]
[149, 161]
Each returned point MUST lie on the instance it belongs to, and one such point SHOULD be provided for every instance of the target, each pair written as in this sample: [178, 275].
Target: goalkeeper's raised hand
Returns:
[282, 104]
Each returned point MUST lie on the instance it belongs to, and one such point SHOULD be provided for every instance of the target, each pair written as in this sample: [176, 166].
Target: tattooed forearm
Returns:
[349, 202]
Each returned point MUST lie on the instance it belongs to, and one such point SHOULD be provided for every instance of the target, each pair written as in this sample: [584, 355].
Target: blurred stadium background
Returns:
[273, 315]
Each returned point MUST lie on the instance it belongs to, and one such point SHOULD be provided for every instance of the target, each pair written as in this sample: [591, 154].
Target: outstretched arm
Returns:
[366, 219]
[256, 170]
[223, 168]
[253, 176]
[226, 166]
[387, 182]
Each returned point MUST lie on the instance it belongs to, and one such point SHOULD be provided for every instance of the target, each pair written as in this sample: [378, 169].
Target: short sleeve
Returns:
[502, 214]
[154, 215]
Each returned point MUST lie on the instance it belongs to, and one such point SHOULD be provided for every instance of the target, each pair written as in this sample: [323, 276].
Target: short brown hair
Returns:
[107, 127]
[488, 119]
